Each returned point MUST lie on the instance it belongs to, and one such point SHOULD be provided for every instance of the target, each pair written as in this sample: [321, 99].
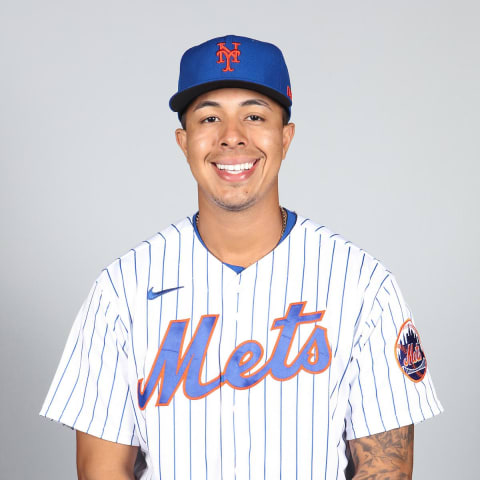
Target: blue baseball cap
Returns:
[232, 61]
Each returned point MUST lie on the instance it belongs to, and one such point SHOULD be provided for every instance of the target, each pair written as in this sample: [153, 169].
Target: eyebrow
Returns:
[255, 101]
[246, 103]
[206, 103]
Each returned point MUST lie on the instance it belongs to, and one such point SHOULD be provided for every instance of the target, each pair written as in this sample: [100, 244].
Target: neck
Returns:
[240, 238]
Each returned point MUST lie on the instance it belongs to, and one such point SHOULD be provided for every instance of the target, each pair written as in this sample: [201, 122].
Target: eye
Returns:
[210, 119]
[254, 118]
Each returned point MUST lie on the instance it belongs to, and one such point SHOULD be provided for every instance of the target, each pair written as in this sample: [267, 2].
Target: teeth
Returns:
[239, 167]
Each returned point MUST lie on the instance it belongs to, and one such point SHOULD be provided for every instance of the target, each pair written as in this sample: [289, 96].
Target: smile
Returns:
[238, 168]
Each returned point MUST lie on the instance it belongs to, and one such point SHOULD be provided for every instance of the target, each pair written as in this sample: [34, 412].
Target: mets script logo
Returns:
[409, 352]
[242, 369]
[226, 55]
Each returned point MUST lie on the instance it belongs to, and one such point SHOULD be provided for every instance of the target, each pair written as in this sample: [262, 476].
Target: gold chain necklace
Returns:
[284, 220]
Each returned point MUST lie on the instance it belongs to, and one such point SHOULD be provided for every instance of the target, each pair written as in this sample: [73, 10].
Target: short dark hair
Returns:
[183, 118]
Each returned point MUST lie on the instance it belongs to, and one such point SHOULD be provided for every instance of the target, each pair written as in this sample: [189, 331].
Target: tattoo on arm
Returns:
[385, 456]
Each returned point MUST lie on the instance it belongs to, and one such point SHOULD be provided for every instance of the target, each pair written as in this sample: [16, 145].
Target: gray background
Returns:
[386, 102]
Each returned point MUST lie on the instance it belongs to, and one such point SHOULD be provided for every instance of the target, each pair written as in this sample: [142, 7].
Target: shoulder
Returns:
[136, 263]
[343, 268]
[327, 240]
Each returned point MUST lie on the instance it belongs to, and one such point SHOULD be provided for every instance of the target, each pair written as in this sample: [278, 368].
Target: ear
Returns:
[288, 133]
[181, 137]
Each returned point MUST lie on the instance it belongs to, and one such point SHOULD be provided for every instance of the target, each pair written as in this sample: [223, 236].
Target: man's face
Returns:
[235, 142]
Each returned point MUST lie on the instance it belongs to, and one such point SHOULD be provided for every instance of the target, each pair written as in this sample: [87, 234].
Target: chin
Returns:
[234, 205]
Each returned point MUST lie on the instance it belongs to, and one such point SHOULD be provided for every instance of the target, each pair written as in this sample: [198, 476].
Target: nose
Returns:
[233, 134]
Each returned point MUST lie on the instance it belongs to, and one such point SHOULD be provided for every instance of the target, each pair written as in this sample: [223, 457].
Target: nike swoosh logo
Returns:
[151, 295]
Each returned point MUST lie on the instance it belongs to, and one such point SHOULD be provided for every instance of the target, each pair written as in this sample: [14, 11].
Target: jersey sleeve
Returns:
[390, 382]
[90, 391]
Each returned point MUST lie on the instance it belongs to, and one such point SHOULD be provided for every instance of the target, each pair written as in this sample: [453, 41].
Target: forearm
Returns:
[385, 456]
[388, 474]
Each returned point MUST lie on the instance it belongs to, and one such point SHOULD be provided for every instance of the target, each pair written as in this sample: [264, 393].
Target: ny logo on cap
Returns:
[225, 54]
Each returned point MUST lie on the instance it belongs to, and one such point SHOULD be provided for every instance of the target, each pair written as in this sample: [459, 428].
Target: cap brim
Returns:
[180, 101]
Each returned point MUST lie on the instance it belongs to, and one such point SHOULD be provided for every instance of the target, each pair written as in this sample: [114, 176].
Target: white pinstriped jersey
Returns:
[260, 374]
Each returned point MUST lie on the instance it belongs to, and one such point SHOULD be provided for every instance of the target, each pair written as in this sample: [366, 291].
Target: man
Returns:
[245, 341]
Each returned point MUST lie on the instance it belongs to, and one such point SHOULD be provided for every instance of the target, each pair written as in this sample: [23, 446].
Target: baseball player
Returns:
[245, 341]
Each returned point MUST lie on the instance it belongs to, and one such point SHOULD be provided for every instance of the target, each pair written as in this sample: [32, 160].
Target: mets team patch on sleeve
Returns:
[409, 352]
